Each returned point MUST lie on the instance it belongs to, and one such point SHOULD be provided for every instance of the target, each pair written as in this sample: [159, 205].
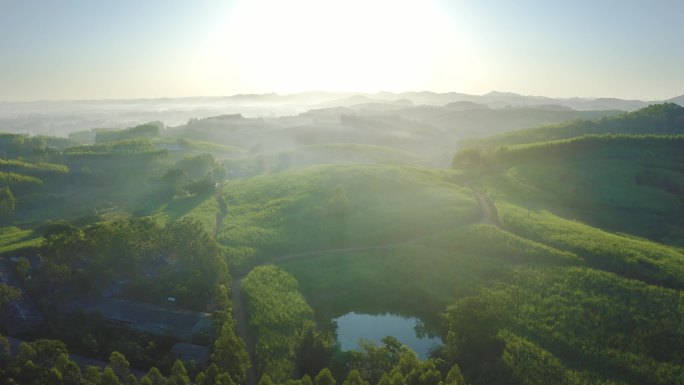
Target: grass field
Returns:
[14, 238]
[329, 207]
[602, 192]
[419, 278]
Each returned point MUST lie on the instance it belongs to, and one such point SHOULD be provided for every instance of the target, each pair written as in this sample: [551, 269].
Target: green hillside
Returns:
[662, 119]
[615, 202]
[329, 207]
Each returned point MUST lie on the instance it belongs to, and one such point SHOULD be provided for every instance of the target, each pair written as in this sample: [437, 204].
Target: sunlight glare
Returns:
[354, 45]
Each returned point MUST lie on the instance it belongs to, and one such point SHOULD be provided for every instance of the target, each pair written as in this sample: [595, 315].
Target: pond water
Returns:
[351, 327]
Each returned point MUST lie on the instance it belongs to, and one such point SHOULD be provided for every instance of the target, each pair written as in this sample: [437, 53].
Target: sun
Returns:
[351, 45]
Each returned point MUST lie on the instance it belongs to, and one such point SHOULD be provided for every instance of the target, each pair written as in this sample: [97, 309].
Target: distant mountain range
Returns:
[494, 99]
[61, 117]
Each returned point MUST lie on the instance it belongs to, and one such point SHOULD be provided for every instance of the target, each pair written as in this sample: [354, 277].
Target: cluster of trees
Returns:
[122, 147]
[606, 146]
[657, 119]
[19, 177]
[8, 294]
[568, 325]
[178, 259]
[35, 148]
[194, 175]
[278, 317]
[47, 362]
[31, 167]
[390, 363]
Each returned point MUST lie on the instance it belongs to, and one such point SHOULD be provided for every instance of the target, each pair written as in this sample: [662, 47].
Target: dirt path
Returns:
[223, 211]
[489, 214]
[242, 324]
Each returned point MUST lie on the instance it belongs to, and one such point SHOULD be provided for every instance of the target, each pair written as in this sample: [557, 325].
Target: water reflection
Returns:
[351, 327]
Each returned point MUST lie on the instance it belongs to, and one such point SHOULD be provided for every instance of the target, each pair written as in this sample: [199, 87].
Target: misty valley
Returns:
[412, 239]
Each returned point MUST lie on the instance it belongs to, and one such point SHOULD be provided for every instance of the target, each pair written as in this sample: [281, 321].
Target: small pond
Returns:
[352, 327]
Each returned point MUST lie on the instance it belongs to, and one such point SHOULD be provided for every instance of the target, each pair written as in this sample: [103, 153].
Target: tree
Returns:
[468, 158]
[378, 359]
[314, 352]
[179, 375]
[222, 379]
[92, 375]
[324, 377]
[201, 187]
[62, 242]
[71, 374]
[8, 294]
[266, 380]
[473, 324]
[119, 365]
[306, 380]
[131, 380]
[354, 378]
[7, 202]
[208, 376]
[5, 351]
[109, 377]
[230, 354]
[172, 181]
[153, 377]
[454, 377]
[23, 266]
[44, 352]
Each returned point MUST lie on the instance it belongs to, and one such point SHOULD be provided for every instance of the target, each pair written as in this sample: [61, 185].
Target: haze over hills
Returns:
[341, 192]
[62, 117]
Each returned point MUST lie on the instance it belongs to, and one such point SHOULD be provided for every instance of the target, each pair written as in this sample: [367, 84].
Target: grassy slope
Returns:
[419, 278]
[351, 153]
[295, 210]
[13, 238]
[600, 188]
[657, 119]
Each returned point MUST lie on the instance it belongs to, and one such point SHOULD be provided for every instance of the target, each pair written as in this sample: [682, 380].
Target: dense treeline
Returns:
[122, 147]
[28, 167]
[567, 325]
[35, 148]
[152, 261]
[184, 261]
[149, 130]
[9, 179]
[47, 362]
[607, 146]
[660, 119]
[278, 317]
[615, 317]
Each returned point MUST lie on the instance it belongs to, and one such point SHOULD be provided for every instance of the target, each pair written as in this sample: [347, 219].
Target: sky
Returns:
[86, 49]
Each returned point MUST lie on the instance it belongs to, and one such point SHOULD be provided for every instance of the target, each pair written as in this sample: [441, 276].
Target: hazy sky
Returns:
[89, 49]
